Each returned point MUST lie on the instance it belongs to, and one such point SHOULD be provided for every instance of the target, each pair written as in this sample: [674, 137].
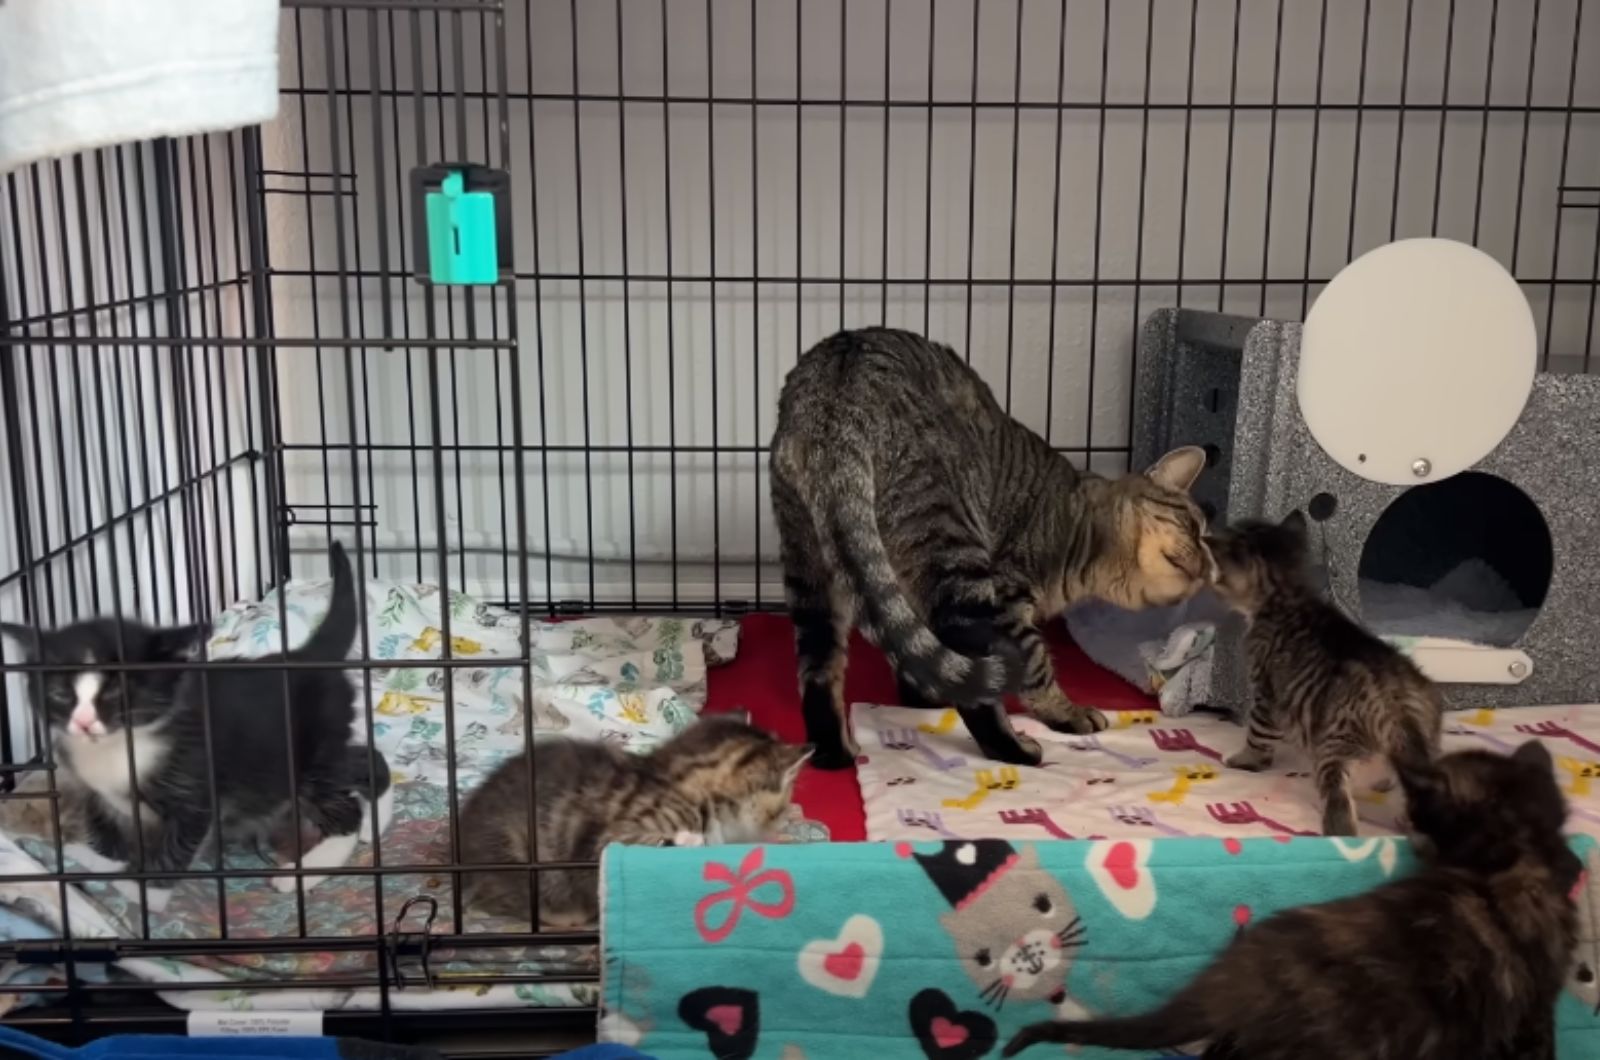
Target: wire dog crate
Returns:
[215, 357]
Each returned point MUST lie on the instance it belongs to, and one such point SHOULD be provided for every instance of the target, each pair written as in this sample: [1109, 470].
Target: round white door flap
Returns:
[1471, 664]
[1416, 361]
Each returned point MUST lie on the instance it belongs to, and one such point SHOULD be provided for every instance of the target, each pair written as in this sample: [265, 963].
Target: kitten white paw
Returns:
[332, 852]
[385, 815]
[91, 859]
[158, 896]
[688, 839]
[568, 919]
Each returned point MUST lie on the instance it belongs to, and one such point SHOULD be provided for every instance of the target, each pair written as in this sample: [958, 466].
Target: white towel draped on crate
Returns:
[76, 74]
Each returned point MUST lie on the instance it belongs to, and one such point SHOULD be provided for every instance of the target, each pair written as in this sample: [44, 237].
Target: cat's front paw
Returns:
[688, 839]
[157, 897]
[1248, 760]
[1079, 721]
[1024, 752]
[1057, 711]
[834, 758]
[568, 919]
[91, 859]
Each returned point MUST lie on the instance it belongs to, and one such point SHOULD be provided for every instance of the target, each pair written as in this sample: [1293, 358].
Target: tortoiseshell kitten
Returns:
[1466, 958]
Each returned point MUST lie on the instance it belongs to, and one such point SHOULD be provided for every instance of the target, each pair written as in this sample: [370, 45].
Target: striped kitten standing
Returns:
[910, 503]
[1342, 693]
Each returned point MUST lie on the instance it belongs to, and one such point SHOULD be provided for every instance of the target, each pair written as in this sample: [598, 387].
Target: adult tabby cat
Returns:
[1466, 958]
[910, 503]
[1341, 693]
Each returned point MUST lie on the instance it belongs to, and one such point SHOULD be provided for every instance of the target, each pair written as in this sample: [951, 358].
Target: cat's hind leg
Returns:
[1332, 773]
[569, 901]
[966, 617]
[822, 637]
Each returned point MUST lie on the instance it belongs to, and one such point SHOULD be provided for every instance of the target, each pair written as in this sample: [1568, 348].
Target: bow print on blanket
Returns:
[943, 948]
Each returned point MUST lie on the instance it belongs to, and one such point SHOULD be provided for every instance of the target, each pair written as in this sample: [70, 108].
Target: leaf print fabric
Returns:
[634, 682]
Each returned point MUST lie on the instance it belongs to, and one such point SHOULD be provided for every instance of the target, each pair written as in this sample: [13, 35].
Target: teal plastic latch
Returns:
[463, 245]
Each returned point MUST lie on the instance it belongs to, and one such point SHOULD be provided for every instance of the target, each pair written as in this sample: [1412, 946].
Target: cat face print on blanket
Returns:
[1014, 926]
[1467, 957]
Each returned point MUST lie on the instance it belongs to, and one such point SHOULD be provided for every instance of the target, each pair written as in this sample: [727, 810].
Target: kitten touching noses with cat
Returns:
[233, 730]
[1316, 676]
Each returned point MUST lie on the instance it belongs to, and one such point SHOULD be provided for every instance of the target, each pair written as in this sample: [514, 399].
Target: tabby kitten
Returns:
[1340, 692]
[910, 503]
[1466, 958]
[719, 781]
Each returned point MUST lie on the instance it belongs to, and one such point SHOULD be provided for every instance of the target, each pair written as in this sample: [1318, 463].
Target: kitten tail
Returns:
[1175, 1023]
[333, 638]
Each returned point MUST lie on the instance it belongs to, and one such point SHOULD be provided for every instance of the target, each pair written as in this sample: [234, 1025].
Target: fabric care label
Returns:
[255, 1024]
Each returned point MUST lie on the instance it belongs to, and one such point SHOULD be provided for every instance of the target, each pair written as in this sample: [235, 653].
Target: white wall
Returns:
[108, 525]
[804, 192]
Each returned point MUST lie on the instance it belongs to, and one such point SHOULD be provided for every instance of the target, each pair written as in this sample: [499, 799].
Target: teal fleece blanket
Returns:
[944, 949]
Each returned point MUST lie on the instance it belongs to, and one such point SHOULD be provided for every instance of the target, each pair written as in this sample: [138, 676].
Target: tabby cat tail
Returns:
[939, 672]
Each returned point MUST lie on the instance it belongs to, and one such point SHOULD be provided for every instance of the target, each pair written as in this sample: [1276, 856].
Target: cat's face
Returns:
[1165, 558]
[88, 702]
[1485, 811]
[1016, 938]
[1257, 558]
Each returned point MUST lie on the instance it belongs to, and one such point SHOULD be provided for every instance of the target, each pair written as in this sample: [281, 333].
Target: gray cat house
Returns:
[1484, 568]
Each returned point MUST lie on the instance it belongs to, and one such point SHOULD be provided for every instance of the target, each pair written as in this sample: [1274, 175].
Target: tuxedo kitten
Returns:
[719, 781]
[1466, 958]
[137, 740]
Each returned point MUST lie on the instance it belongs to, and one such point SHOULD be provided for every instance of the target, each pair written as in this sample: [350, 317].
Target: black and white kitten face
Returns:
[87, 703]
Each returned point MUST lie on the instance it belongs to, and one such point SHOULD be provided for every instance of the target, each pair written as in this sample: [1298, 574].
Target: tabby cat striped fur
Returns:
[721, 780]
[908, 502]
[1340, 692]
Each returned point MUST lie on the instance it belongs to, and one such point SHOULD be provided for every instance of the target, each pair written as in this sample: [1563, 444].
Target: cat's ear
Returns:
[798, 757]
[24, 637]
[1535, 755]
[1178, 469]
[185, 643]
[1295, 521]
[1422, 783]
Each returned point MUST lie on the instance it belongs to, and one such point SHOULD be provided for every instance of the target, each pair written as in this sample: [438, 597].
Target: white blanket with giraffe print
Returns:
[1149, 775]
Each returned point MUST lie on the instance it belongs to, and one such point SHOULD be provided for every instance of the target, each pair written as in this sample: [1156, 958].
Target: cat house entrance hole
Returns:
[1467, 558]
